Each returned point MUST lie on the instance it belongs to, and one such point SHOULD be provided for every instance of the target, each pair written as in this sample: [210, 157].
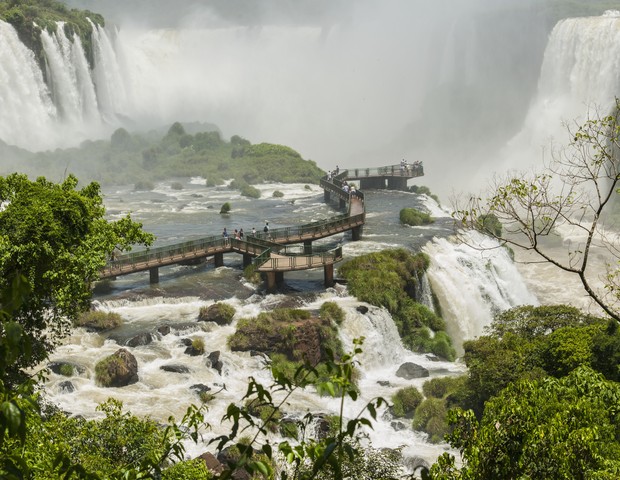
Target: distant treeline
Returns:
[148, 157]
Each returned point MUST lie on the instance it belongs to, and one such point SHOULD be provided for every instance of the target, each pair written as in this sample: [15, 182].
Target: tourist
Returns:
[253, 231]
[225, 236]
[241, 234]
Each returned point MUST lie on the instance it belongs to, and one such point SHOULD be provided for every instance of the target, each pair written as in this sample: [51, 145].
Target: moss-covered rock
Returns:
[117, 370]
[220, 313]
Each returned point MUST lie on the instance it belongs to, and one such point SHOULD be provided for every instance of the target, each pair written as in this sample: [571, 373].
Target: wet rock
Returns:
[409, 371]
[66, 387]
[164, 330]
[120, 369]
[59, 368]
[200, 388]
[363, 309]
[215, 362]
[212, 463]
[140, 340]
[218, 313]
[384, 383]
[398, 426]
[175, 368]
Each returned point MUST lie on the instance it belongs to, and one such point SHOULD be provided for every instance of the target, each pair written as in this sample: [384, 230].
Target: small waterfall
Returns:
[424, 292]
[473, 284]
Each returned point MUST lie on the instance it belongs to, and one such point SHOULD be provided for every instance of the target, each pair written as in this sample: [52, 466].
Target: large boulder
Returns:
[117, 370]
[215, 362]
[409, 371]
[220, 313]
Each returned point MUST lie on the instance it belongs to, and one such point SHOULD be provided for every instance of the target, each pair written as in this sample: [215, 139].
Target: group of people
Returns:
[405, 167]
[239, 235]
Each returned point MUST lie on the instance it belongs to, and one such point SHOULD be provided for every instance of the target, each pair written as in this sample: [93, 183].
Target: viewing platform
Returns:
[275, 252]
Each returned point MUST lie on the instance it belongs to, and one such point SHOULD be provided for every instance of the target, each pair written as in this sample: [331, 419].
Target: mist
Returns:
[353, 84]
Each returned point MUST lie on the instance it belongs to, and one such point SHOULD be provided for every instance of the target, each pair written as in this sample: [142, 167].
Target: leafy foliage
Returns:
[414, 217]
[550, 428]
[389, 279]
[405, 401]
[56, 236]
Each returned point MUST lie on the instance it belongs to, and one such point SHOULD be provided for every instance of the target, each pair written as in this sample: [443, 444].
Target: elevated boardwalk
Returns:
[272, 253]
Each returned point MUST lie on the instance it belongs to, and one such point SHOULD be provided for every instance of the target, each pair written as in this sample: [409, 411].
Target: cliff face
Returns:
[31, 17]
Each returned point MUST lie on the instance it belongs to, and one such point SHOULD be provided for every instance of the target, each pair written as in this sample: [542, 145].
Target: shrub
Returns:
[206, 397]
[198, 344]
[491, 225]
[225, 208]
[440, 387]
[278, 194]
[430, 417]
[194, 469]
[99, 320]
[250, 191]
[413, 217]
[332, 312]
[405, 401]
[220, 312]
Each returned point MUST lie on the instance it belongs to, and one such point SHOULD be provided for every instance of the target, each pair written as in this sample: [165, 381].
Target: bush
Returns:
[413, 217]
[225, 208]
[405, 401]
[430, 417]
[332, 312]
[278, 194]
[220, 313]
[441, 387]
[250, 191]
[66, 370]
[195, 469]
[99, 320]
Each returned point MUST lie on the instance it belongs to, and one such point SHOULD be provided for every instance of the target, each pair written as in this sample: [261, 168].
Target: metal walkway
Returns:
[271, 252]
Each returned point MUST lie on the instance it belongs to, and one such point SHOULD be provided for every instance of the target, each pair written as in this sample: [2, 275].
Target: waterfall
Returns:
[473, 281]
[26, 102]
[579, 78]
[68, 108]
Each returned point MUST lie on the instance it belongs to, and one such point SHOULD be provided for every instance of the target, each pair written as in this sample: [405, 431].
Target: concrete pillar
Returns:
[153, 275]
[279, 278]
[328, 275]
[308, 247]
[271, 282]
[356, 233]
[397, 183]
[247, 260]
[326, 196]
[218, 260]
[374, 183]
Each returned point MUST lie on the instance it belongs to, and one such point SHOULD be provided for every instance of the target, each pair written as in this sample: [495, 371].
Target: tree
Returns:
[578, 186]
[551, 428]
[57, 238]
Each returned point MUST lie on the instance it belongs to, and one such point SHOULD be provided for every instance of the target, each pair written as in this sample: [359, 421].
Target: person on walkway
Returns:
[266, 230]
[337, 169]
[241, 234]
[225, 236]
[253, 231]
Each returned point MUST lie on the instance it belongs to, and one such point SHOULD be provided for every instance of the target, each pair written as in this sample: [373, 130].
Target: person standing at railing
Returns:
[225, 236]
[253, 231]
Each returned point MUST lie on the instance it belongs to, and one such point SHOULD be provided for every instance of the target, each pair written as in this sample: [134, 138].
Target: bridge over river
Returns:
[283, 249]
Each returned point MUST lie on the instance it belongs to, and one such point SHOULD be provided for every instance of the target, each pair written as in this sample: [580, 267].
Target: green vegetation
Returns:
[66, 370]
[104, 367]
[388, 279]
[99, 320]
[30, 17]
[277, 194]
[431, 417]
[57, 237]
[146, 158]
[225, 208]
[415, 218]
[423, 190]
[405, 401]
[332, 312]
[198, 345]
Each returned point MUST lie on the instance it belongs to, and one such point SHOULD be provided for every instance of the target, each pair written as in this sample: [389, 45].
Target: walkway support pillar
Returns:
[271, 282]
[307, 247]
[279, 278]
[247, 260]
[397, 183]
[218, 260]
[153, 275]
[328, 275]
[356, 233]
[326, 196]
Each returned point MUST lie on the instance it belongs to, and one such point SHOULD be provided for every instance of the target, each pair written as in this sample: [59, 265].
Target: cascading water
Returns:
[473, 284]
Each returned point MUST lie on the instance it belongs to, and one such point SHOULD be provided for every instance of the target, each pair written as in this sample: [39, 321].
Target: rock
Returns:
[212, 463]
[398, 426]
[216, 363]
[140, 340]
[175, 368]
[219, 313]
[66, 387]
[186, 341]
[164, 330]
[120, 369]
[57, 367]
[384, 383]
[200, 388]
[363, 309]
[410, 371]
